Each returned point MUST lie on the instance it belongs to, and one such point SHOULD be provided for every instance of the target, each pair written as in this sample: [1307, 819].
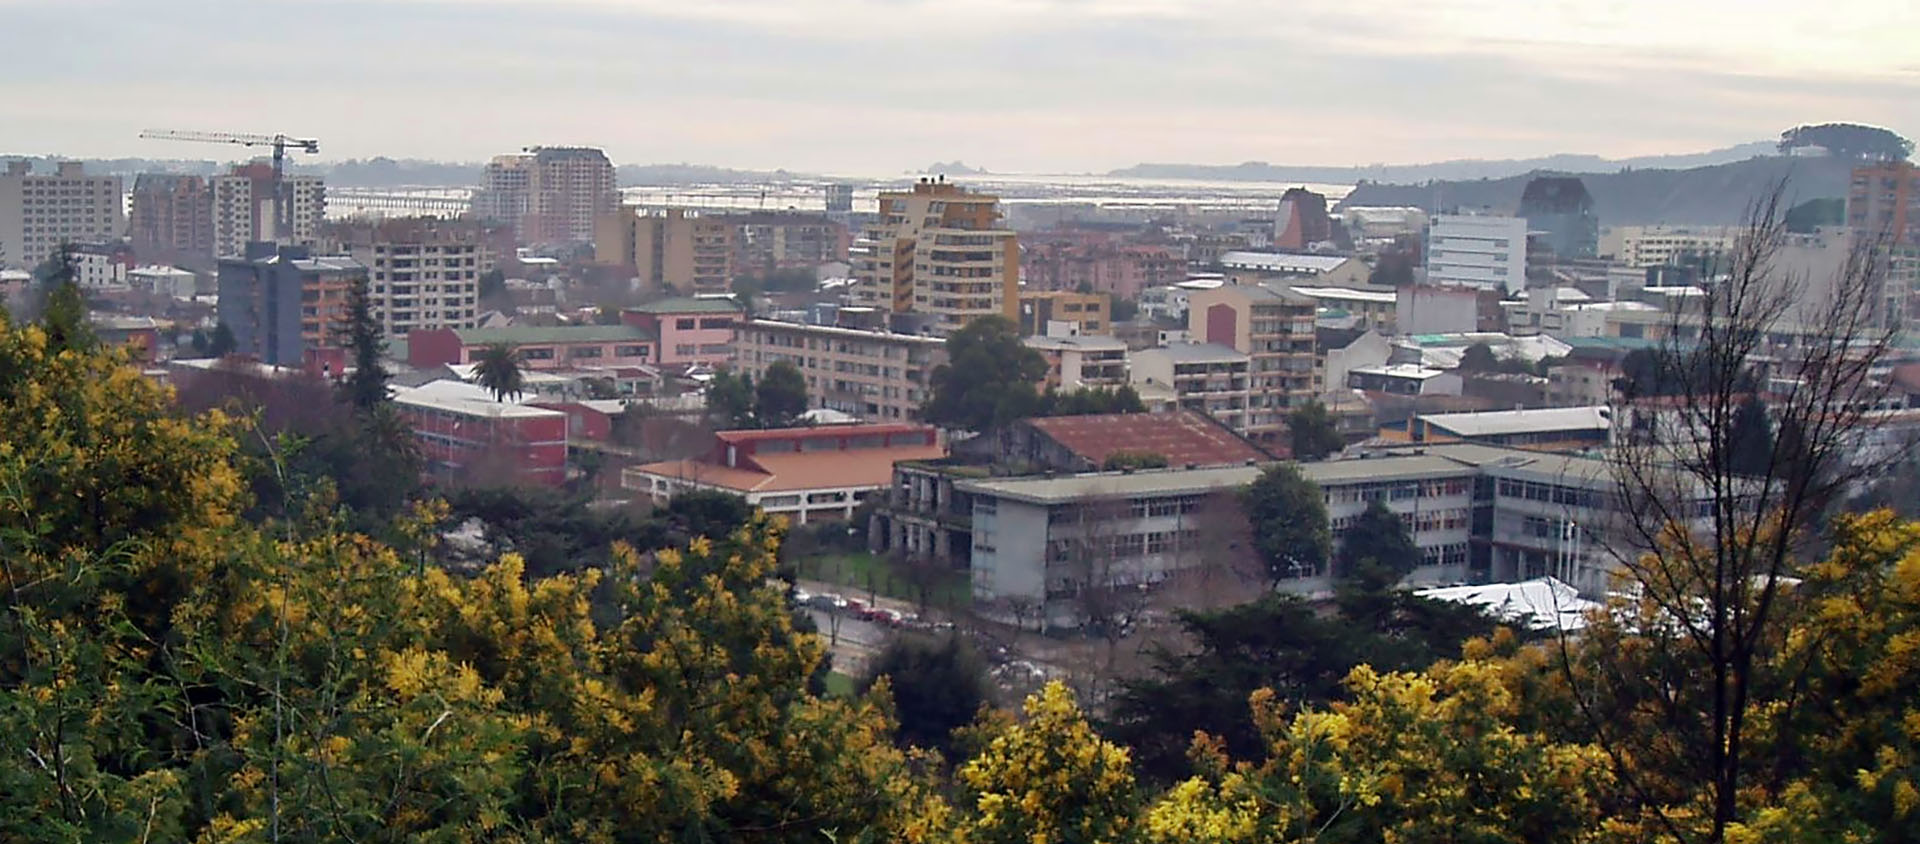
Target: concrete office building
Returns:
[243, 209]
[41, 211]
[704, 253]
[941, 251]
[171, 218]
[1477, 251]
[549, 194]
[874, 375]
[1640, 247]
[423, 272]
[1274, 327]
[282, 302]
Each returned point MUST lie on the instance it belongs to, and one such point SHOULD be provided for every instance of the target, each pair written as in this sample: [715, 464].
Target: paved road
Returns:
[856, 643]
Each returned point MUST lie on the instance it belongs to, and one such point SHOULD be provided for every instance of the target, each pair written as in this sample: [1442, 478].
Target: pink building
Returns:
[690, 330]
[539, 347]
[1122, 270]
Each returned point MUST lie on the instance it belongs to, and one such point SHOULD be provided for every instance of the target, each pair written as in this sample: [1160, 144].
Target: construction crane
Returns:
[282, 192]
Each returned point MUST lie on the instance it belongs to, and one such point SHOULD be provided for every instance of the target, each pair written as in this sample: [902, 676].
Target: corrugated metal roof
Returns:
[1185, 438]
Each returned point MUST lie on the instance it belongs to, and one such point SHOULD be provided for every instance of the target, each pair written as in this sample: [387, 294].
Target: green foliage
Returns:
[498, 371]
[937, 687]
[1750, 439]
[781, 396]
[1088, 401]
[1289, 519]
[1313, 431]
[1814, 213]
[552, 532]
[1394, 266]
[1299, 650]
[1124, 459]
[1122, 310]
[730, 400]
[1376, 551]
[492, 283]
[988, 380]
[1848, 140]
[366, 387]
[221, 343]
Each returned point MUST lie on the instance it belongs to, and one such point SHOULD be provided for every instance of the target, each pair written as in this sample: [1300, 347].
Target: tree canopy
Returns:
[1289, 519]
[1848, 140]
[988, 380]
[781, 396]
[1313, 432]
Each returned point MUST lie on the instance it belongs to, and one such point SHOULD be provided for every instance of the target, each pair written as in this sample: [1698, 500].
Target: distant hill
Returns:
[955, 167]
[1713, 195]
[691, 174]
[1260, 171]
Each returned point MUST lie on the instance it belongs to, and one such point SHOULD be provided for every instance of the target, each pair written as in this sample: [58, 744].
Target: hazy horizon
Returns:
[878, 87]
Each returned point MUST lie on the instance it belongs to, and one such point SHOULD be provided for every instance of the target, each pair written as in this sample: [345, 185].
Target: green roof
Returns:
[690, 305]
[528, 335]
[1625, 344]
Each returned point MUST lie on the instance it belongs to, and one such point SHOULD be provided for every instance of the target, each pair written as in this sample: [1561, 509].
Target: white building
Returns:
[1207, 377]
[164, 281]
[1425, 309]
[1405, 379]
[101, 266]
[1087, 361]
[243, 208]
[1640, 247]
[1476, 251]
[41, 211]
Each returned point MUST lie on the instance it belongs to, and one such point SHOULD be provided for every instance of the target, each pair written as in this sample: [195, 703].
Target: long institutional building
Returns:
[1478, 513]
[40, 211]
[940, 251]
[876, 375]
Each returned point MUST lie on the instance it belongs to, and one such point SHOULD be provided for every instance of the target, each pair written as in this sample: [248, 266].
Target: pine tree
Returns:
[366, 387]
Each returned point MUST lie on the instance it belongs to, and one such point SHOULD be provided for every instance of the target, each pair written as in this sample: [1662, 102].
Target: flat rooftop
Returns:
[1536, 420]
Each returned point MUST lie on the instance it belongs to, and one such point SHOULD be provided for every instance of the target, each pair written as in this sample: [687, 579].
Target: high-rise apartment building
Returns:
[1884, 199]
[704, 253]
[1274, 327]
[41, 211]
[282, 301]
[422, 272]
[243, 208]
[172, 218]
[939, 250]
[549, 194]
[1478, 251]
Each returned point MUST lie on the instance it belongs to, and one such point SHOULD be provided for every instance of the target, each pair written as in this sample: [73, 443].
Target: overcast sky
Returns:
[873, 87]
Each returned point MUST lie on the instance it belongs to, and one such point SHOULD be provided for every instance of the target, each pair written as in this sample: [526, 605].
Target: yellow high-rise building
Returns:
[939, 250]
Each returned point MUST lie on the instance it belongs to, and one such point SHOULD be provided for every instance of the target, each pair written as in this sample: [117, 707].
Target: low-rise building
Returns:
[165, 281]
[1371, 308]
[874, 375]
[1204, 377]
[1082, 361]
[1292, 267]
[691, 330]
[464, 432]
[1050, 312]
[1538, 429]
[805, 474]
[1404, 379]
[538, 347]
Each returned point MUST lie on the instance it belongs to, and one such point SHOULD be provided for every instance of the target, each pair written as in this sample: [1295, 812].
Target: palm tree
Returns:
[498, 371]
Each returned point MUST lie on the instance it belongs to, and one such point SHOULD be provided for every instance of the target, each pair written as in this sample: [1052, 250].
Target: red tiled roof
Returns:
[752, 435]
[866, 467]
[1183, 438]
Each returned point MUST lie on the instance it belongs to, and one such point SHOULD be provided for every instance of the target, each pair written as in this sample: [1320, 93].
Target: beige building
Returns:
[1044, 312]
[549, 194]
[939, 250]
[1206, 377]
[1371, 307]
[669, 251]
[1275, 329]
[1640, 247]
[875, 375]
[243, 208]
[40, 211]
[1083, 361]
[422, 272]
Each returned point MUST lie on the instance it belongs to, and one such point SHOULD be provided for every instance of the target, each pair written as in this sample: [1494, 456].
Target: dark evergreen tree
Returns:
[1313, 432]
[938, 686]
[366, 386]
[781, 397]
[1289, 519]
[988, 380]
[1375, 551]
[221, 343]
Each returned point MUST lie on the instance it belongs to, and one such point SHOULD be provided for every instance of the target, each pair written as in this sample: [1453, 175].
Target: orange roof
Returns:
[820, 431]
[1184, 438]
[866, 467]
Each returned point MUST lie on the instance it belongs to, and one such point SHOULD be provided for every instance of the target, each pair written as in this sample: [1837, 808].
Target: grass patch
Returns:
[863, 573]
[840, 685]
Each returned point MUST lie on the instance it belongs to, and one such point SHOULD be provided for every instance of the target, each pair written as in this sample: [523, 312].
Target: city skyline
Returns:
[870, 87]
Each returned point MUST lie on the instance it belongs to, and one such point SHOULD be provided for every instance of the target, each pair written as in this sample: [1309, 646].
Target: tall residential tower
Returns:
[941, 251]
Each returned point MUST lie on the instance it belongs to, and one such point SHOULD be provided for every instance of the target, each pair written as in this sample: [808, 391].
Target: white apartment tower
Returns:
[41, 211]
[243, 208]
[549, 194]
[1477, 251]
[422, 273]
